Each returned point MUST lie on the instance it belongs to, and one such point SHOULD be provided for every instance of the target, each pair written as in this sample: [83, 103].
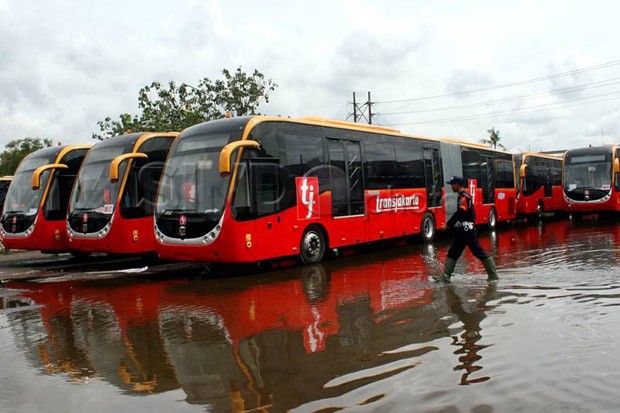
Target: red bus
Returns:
[592, 179]
[248, 189]
[36, 203]
[111, 207]
[539, 188]
[491, 179]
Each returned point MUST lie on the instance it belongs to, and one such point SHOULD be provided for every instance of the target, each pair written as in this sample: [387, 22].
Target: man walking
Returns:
[465, 233]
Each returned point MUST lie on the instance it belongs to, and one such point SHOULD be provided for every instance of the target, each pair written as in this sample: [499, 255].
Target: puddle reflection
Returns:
[282, 339]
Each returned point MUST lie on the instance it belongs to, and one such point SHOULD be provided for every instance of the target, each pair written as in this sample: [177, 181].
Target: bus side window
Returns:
[241, 203]
[268, 187]
[616, 175]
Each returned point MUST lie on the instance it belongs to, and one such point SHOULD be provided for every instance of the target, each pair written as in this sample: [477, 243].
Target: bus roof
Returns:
[339, 124]
[592, 149]
[472, 144]
[555, 156]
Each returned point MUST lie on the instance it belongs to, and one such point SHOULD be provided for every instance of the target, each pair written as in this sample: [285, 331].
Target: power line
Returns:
[510, 112]
[505, 85]
[592, 85]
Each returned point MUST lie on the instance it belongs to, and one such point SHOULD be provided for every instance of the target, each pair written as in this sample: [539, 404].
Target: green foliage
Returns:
[493, 140]
[175, 107]
[16, 150]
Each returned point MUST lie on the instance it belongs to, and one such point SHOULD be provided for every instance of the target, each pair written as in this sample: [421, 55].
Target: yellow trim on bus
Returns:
[114, 165]
[143, 138]
[227, 151]
[149, 135]
[36, 175]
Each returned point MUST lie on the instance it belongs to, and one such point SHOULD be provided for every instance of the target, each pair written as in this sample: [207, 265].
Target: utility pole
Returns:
[362, 110]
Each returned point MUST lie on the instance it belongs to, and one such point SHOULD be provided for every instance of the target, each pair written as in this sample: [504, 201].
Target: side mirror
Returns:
[36, 175]
[522, 171]
[227, 151]
[116, 162]
[616, 165]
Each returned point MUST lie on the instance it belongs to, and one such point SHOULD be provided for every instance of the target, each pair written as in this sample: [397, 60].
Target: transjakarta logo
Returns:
[397, 202]
[307, 197]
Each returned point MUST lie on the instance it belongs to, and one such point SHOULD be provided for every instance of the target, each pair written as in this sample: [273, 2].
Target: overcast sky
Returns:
[545, 73]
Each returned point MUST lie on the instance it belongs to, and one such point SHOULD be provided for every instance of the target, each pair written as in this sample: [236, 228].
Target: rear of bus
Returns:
[592, 179]
[36, 203]
[539, 188]
[112, 202]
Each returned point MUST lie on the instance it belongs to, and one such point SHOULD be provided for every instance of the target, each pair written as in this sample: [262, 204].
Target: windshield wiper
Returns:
[177, 210]
[20, 211]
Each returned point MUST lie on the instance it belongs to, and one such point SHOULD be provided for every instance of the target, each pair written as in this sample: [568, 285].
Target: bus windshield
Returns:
[191, 181]
[93, 190]
[21, 198]
[587, 171]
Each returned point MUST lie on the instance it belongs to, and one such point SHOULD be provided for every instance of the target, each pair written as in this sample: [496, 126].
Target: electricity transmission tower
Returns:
[362, 111]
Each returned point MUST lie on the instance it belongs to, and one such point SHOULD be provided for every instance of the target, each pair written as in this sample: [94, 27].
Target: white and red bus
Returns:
[112, 202]
[249, 189]
[539, 188]
[36, 203]
[592, 179]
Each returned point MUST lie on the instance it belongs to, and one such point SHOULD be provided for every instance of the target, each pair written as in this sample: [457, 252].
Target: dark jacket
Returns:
[464, 211]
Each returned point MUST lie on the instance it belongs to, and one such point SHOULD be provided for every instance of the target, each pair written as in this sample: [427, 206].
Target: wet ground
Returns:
[364, 332]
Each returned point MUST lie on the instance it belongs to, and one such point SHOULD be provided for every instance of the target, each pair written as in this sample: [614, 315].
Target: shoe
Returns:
[489, 266]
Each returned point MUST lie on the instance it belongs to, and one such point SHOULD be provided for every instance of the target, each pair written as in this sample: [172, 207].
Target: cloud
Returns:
[63, 66]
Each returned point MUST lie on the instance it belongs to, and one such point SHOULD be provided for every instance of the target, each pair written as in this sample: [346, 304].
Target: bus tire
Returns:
[492, 219]
[428, 228]
[312, 245]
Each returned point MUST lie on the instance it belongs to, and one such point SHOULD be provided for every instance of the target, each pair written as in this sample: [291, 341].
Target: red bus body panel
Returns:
[611, 205]
[126, 236]
[47, 236]
[528, 204]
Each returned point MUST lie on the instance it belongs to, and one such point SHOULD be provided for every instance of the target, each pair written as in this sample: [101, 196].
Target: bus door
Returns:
[269, 192]
[433, 178]
[347, 183]
[616, 170]
[546, 167]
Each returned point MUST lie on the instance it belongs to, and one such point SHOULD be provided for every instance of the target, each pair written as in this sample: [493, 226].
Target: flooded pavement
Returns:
[368, 332]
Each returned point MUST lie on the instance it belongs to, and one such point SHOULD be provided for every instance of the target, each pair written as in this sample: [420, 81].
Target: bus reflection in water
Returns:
[231, 187]
[111, 207]
[36, 202]
[246, 343]
[233, 341]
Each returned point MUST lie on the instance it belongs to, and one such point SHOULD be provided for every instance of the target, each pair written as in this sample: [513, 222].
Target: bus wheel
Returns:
[428, 227]
[492, 218]
[312, 246]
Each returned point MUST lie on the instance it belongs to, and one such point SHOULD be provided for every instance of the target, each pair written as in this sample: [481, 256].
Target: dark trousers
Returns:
[466, 239]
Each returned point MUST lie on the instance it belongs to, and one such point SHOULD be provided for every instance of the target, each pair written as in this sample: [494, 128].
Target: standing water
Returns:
[370, 332]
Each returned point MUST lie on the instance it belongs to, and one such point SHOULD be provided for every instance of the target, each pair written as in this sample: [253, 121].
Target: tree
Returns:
[16, 150]
[176, 107]
[493, 140]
